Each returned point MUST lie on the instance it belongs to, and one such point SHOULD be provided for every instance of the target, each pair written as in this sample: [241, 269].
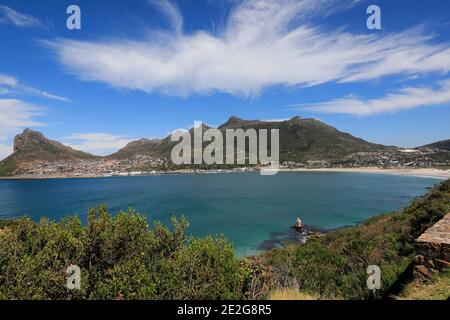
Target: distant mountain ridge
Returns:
[301, 140]
[443, 145]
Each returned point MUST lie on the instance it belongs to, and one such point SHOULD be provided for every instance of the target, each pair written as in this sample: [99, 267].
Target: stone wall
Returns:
[433, 248]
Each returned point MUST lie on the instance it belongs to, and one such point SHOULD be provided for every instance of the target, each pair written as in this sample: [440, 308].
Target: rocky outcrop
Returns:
[32, 146]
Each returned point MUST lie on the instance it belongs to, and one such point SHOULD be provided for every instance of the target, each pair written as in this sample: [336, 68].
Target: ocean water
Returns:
[255, 212]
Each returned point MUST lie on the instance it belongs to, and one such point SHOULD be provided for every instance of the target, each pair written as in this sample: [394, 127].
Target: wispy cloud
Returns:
[172, 13]
[14, 116]
[5, 150]
[97, 143]
[22, 20]
[263, 43]
[275, 120]
[404, 99]
[11, 86]
[7, 80]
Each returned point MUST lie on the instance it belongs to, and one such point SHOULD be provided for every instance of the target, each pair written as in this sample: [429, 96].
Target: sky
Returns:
[143, 68]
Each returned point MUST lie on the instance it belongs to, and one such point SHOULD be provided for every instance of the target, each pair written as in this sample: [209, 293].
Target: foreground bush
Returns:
[120, 258]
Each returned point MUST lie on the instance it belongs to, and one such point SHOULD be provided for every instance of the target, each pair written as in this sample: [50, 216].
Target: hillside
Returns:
[149, 147]
[300, 139]
[443, 145]
[33, 146]
[309, 139]
[334, 266]
[158, 148]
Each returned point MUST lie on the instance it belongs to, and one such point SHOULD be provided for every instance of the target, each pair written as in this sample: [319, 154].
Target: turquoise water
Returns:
[253, 211]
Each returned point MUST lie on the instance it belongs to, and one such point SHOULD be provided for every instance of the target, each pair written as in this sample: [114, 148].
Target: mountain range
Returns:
[300, 140]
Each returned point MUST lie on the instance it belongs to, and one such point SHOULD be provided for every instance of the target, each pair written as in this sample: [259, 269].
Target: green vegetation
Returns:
[440, 145]
[335, 266]
[436, 288]
[7, 224]
[7, 166]
[122, 258]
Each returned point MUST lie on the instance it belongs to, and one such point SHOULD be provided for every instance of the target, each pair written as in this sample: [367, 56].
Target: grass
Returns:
[291, 294]
[437, 288]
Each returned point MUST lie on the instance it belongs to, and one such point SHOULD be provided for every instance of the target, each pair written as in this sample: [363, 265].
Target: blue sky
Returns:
[145, 67]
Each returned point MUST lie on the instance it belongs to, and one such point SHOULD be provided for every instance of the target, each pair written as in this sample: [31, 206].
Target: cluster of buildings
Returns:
[387, 160]
[143, 165]
[104, 167]
[135, 165]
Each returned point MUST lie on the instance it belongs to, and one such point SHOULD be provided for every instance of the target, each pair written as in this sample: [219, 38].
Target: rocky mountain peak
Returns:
[27, 137]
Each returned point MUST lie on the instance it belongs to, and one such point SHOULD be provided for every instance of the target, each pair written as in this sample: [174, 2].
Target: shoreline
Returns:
[128, 175]
[420, 172]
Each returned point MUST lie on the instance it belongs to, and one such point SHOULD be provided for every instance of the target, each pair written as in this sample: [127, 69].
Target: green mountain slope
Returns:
[300, 140]
[443, 145]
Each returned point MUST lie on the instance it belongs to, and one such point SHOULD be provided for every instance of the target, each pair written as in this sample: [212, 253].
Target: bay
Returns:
[255, 212]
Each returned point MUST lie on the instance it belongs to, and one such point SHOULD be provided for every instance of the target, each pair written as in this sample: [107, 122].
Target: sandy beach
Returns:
[423, 172]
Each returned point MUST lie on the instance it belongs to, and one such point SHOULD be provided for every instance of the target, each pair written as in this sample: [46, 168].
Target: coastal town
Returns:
[404, 158]
[103, 167]
[146, 165]
[92, 167]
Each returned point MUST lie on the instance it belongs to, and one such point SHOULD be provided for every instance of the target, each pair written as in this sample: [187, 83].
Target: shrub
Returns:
[119, 257]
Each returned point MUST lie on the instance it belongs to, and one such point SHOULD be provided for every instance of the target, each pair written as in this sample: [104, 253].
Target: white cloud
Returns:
[171, 12]
[14, 116]
[9, 15]
[11, 86]
[276, 120]
[97, 143]
[404, 99]
[7, 80]
[5, 150]
[263, 43]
